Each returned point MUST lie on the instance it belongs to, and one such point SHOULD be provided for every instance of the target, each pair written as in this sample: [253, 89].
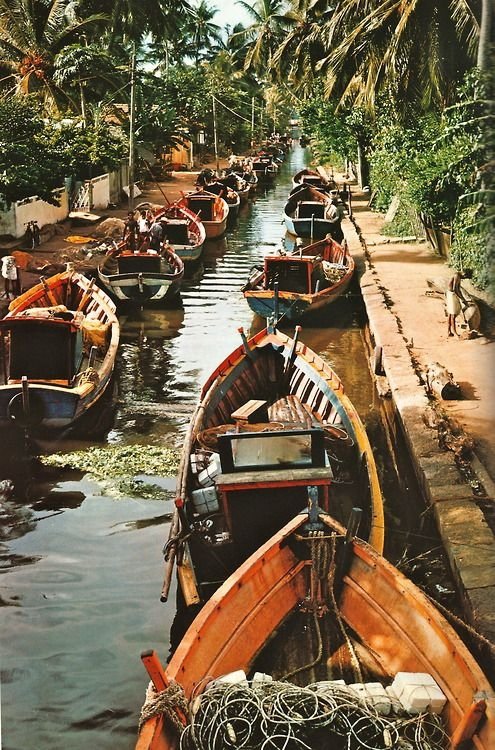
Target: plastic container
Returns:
[205, 500]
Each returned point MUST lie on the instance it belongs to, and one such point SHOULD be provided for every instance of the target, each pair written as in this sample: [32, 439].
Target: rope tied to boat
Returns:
[89, 376]
[164, 703]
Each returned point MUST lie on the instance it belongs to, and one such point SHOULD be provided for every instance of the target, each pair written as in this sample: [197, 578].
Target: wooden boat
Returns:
[142, 276]
[250, 178]
[234, 203]
[210, 209]
[59, 342]
[292, 285]
[272, 422]
[184, 232]
[264, 167]
[313, 178]
[304, 213]
[313, 605]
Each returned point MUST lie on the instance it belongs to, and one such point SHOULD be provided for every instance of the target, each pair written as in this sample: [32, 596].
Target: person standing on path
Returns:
[454, 301]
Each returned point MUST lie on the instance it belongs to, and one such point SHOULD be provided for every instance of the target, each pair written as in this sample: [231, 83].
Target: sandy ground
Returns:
[402, 271]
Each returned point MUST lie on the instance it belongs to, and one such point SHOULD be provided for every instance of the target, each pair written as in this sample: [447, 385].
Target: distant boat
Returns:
[316, 607]
[141, 277]
[210, 209]
[292, 285]
[313, 178]
[264, 167]
[183, 231]
[273, 424]
[59, 343]
[304, 213]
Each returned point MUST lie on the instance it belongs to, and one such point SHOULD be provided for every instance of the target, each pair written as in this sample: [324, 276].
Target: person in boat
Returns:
[334, 213]
[204, 177]
[131, 231]
[143, 230]
[156, 235]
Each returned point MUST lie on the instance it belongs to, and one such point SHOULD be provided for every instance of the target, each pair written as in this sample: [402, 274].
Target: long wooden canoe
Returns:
[305, 213]
[313, 178]
[315, 600]
[273, 424]
[59, 342]
[183, 231]
[138, 278]
[293, 285]
[210, 209]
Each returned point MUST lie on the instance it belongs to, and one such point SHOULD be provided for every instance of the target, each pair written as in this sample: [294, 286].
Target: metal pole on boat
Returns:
[26, 410]
[215, 137]
[275, 302]
[132, 116]
[245, 344]
[292, 353]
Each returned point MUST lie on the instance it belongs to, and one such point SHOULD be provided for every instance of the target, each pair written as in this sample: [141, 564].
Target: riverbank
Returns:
[451, 442]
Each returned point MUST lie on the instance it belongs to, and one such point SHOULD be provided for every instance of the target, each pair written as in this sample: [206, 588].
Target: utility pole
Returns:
[252, 122]
[132, 116]
[215, 139]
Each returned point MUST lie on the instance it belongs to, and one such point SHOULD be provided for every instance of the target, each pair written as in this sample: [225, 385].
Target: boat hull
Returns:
[294, 307]
[253, 499]
[141, 288]
[316, 229]
[43, 393]
[391, 620]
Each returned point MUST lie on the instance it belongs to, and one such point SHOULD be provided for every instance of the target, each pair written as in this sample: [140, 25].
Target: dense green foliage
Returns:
[36, 155]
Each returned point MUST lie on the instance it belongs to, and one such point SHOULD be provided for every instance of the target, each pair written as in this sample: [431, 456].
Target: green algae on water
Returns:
[119, 468]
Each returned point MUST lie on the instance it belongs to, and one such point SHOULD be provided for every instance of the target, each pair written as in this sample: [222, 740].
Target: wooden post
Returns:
[132, 114]
[215, 137]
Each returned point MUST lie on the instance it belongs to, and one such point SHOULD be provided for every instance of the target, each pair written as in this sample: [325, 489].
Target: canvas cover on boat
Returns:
[42, 351]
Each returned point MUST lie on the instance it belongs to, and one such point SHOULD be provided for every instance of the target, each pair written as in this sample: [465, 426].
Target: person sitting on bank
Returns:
[10, 274]
[334, 213]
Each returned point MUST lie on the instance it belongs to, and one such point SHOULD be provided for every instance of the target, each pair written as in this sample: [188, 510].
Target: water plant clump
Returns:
[121, 467]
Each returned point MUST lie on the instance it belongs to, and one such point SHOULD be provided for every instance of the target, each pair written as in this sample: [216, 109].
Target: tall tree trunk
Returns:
[485, 48]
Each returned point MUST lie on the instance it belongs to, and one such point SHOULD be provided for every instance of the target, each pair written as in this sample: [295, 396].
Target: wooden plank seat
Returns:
[252, 411]
[294, 477]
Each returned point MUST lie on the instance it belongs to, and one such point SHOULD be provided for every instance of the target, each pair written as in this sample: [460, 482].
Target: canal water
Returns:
[81, 562]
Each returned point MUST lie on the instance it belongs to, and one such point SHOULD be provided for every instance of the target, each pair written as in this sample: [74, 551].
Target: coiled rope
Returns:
[164, 702]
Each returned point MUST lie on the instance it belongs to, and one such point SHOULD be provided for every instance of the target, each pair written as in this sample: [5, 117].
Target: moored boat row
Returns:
[275, 462]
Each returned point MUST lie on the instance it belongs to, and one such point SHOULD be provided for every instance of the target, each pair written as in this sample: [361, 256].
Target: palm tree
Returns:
[265, 33]
[301, 49]
[32, 32]
[204, 31]
[417, 49]
[79, 66]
